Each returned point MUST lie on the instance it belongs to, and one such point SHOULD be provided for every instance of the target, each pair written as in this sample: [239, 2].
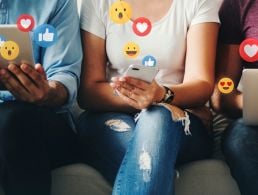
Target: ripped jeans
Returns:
[140, 156]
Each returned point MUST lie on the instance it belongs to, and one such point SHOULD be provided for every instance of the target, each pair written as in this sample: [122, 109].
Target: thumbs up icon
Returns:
[149, 61]
[47, 36]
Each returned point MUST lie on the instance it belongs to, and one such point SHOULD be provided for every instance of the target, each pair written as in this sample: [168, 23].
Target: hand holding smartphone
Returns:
[145, 73]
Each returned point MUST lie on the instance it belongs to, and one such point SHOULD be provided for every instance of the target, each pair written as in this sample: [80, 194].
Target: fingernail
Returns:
[2, 71]
[122, 79]
[11, 67]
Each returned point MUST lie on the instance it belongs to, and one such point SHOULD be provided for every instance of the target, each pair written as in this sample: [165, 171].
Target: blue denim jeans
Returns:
[141, 156]
[240, 146]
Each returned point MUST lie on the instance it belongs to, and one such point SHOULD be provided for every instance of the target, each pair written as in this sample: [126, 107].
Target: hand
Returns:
[137, 93]
[27, 83]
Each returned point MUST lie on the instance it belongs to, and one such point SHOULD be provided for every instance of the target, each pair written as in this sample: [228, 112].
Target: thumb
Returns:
[41, 70]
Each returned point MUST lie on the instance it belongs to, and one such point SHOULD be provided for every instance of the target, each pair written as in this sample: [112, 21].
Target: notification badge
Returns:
[248, 50]
[25, 23]
[142, 26]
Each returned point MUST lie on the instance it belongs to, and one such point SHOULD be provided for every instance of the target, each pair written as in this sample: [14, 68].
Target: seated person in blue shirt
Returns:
[35, 135]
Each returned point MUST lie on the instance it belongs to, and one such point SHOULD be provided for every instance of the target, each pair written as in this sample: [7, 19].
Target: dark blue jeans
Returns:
[141, 156]
[240, 145]
[33, 140]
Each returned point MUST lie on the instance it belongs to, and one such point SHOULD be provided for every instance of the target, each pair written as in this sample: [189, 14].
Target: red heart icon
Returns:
[229, 83]
[222, 83]
[142, 26]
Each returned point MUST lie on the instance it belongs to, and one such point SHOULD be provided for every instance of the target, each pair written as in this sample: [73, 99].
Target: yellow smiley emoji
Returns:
[120, 12]
[131, 50]
[10, 50]
[226, 85]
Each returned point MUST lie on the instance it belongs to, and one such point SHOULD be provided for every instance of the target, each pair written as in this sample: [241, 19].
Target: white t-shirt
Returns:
[166, 42]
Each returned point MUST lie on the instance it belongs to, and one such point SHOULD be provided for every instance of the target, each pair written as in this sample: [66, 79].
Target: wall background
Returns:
[79, 5]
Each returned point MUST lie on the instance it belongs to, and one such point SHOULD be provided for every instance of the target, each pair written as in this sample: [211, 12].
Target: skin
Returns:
[228, 65]
[97, 94]
[29, 84]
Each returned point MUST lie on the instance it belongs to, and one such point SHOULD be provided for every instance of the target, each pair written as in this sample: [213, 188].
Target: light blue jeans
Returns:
[141, 155]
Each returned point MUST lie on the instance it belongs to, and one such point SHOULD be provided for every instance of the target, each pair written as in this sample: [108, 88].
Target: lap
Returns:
[27, 129]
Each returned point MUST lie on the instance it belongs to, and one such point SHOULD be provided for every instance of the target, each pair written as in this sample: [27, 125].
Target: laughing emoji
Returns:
[10, 50]
[131, 50]
[120, 12]
[226, 85]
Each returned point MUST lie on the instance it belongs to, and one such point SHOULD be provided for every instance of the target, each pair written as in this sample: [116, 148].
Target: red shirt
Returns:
[239, 20]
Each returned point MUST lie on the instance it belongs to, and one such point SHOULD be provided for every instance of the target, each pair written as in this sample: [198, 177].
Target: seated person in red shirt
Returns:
[240, 144]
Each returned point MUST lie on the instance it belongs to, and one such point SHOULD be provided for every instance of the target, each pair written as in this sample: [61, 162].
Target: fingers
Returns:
[137, 83]
[36, 77]
[12, 84]
[120, 81]
[39, 68]
[22, 78]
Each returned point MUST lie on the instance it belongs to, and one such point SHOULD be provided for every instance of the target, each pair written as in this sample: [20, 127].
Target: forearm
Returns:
[57, 95]
[101, 97]
[191, 94]
[232, 105]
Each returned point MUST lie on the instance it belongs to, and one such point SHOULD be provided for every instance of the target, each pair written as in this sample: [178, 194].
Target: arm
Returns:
[95, 92]
[228, 65]
[197, 85]
[57, 83]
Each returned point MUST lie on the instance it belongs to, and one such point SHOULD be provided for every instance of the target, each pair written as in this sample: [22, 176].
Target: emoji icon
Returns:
[2, 40]
[45, 35]
[248, 50]
[131, 50]
[149, 61]
[142, 26]
[25, 23]
[226, 85]
[120, 12]
[10, 50]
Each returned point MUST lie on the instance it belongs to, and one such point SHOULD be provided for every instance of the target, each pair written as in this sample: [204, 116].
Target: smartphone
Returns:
[19, 48]
[145, 73]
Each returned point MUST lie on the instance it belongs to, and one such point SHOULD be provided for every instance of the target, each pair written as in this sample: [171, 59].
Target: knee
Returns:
[235, 144]
[157, 122]
[155, 115]
[17, 128]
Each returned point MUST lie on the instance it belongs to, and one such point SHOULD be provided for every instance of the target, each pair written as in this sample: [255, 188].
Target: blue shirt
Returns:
[62, 61]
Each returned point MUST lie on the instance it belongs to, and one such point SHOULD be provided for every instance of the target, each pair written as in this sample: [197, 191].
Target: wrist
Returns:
[168, 95]
[160, 93]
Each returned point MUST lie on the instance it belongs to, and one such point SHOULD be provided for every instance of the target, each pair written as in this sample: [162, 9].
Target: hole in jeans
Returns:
[118, 125]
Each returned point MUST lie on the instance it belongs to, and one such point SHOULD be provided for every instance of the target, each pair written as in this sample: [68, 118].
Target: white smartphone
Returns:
[145, 73]
[9, 53]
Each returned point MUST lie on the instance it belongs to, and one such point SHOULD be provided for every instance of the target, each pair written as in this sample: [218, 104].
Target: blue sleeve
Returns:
[62, 61]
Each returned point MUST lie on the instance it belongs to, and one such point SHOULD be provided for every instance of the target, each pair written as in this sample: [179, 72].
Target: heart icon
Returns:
[25, 23]
[229, 83]
[222, 83]
[142, 27]
[251, 50]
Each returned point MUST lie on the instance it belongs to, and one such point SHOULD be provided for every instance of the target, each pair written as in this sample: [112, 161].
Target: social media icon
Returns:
[248, 50]
[25, 23]
[45, 35]
[120, 12]
[10, 50]
[131, 50]
[2, 40]
[142, 26]
[149, 61]
[226, 85]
